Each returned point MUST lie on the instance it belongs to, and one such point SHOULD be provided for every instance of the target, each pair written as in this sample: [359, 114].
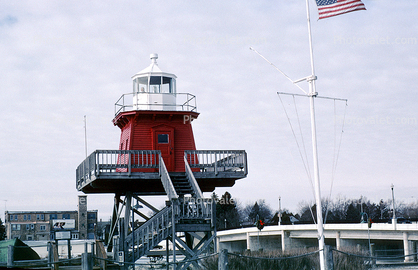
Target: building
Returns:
[42, 225]
[157, 155]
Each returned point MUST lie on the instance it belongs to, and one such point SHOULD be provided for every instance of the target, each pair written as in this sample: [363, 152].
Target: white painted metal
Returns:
[313, 94]
[154, 89]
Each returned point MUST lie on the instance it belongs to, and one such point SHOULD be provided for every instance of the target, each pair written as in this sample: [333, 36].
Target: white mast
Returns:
[312, 94]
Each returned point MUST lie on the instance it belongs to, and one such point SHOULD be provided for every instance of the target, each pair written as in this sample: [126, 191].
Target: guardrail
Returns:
[125, 161]
[192, 180]
[184, 102]
[217, 160]
[159, 227]
[152, 232]
[112, 161]
[190, 208]
[166, 181]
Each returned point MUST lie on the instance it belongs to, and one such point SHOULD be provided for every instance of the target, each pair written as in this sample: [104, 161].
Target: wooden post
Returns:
[87, 261]
[329, 259]
[92, 251]
[51, 258]
[223, 260]
[55, 254]
[167, 253]
[101, 253]
[372, 250]
[69, 251]
[10, 255]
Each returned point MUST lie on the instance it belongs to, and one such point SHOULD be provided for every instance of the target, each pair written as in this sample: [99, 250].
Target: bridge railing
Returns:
[217, 160]
[116, 161]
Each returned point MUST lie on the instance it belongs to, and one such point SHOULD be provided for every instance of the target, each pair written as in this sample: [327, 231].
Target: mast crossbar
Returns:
[300, 95]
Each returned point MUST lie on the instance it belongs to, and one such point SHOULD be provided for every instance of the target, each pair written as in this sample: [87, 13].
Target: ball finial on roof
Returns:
[154, 57]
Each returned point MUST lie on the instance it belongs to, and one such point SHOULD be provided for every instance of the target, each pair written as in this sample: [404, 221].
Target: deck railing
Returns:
[190, 208]
[124, 162]
[112, 161]
[217, 160]
[184, 102]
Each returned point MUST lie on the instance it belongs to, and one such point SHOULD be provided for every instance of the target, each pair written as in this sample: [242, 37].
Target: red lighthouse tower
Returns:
[157, 155]
[159, 117]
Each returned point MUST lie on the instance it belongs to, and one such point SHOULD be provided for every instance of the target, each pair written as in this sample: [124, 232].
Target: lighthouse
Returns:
[158, 118]
[157, 155]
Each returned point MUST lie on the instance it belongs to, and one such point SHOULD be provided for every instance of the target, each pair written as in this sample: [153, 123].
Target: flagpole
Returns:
[312, 95]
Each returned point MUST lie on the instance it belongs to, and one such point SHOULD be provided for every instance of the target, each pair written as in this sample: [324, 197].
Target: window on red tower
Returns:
[162, 138]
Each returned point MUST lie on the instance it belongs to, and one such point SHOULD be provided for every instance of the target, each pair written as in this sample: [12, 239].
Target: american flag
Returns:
[329, 8]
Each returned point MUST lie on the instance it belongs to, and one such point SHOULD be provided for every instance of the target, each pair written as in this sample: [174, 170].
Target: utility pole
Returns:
[393, 204]
[5, 209]
[280, 211]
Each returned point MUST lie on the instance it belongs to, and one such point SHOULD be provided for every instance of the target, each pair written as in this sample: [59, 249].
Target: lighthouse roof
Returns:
[153, 69]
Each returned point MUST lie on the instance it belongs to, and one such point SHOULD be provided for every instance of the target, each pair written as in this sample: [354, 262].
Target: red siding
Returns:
[136, 128]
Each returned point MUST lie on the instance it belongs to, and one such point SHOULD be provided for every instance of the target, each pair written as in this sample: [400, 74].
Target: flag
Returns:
[329, 8]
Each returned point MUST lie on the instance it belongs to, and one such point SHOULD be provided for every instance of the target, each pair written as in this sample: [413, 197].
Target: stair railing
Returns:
[152, 232]
[194, 209]
[192, 180]
[159, 227]
[166, 181]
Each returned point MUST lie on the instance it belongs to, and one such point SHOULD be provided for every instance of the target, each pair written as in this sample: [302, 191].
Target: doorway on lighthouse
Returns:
[163, 140]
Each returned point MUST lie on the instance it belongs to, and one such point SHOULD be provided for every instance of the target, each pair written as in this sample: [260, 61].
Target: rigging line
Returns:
[336, 150]
[294, 135]
[284, 74]
[312, 214]
[333, 162]
[303, 143]
[339, 144]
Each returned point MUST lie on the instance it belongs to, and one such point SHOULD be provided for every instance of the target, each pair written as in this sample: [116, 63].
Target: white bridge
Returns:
[384, 240]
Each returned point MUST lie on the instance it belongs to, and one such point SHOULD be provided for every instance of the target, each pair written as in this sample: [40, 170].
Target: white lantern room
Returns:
[154, 89]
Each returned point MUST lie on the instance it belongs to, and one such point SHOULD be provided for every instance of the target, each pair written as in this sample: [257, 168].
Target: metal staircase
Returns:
[187, 221]
[181, 184]
[150, 234]
[188, 215]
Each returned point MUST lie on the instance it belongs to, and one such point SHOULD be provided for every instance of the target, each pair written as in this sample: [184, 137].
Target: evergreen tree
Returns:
[353, 213]
[227, 214]
[2, 230]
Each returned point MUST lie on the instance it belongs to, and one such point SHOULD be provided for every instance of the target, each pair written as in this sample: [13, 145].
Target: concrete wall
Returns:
[384, 238]
[235, 246]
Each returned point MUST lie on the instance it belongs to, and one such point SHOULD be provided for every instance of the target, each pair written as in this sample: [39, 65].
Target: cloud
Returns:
[64, 60]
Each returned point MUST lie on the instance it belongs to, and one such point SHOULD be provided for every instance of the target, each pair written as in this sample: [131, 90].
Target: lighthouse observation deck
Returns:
[156, 102]
[142, 171]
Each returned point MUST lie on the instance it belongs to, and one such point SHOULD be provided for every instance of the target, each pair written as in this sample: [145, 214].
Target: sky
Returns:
[63, 60]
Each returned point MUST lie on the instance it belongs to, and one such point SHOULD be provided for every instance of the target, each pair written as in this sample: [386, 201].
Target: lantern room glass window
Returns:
[167, 85]
[154, 84]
